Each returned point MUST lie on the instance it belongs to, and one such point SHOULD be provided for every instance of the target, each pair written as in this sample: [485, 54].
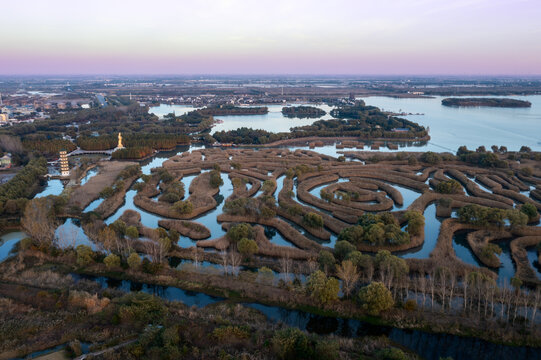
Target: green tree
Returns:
[247, 247]
[134, 261]
[342, 249]
[132, 232]
[111, 261]
[322, 288]
[353, 234]
[326, 260]
[85, 255]
[416, 222]
[375, 298]
[430, 157]
[240, 231]
[529, 209]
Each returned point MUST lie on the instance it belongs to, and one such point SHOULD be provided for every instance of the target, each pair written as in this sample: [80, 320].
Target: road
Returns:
[101, 99]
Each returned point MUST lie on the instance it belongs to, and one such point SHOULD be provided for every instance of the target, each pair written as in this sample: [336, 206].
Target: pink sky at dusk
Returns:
[271, 37]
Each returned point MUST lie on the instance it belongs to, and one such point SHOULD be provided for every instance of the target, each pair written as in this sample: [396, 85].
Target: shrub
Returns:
[445, 202]
[313, 220]
[107, 192]
[165, 176]
[25, 243]
[410, 305]
[268, 186]
[183, 207]
[240, 231]
[449, 187]
[151, 267]
[529, 209]
[265, 275]
[430, 157]
[169, 197]
[526, 171]
[291, 343]
[391, 354]
[375, 298]
[247, 247]
[226, 333]
[141, 308]
[216, 179]
[134, 260]
[490, 249]
[111, 261]
[416, 222]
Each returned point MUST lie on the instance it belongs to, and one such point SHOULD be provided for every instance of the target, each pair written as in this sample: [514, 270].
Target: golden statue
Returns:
[120, 146]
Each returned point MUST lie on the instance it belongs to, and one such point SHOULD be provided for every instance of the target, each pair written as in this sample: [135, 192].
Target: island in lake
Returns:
[303, 112]
[491, 102]
[226, 109]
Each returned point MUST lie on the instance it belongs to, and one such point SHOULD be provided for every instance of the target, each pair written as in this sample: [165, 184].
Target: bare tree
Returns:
[422, 286]
[196, 256]
[236, 260]
[11, 144]
[442, 285]
[312, 266]
[536, 301]
[67, 237]
[465, 289]
[349, 275]
[452, 285]
[225, 261]
[38, 220]
[158, 249]
[285, 266]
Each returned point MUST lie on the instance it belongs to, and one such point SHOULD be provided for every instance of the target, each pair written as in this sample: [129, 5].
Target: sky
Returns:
[361, 37]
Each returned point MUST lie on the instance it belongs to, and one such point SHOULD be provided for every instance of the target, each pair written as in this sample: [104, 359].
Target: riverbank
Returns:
[239, 290]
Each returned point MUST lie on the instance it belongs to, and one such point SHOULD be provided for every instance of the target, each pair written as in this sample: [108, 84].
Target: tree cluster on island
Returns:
[303, 111]
[488, 102]
[229, 109]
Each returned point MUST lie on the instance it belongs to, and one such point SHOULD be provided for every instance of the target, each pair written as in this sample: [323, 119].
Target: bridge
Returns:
[80, 151]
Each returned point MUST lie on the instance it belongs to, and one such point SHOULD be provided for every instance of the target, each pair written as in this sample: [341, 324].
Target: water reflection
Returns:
[7, 243]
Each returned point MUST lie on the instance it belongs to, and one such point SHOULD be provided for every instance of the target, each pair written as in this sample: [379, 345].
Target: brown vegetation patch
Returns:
[193, 230]
[83, 195]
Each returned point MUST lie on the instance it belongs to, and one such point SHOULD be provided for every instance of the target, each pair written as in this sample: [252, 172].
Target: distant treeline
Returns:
[23, 186]
[492, 102]
[140, 141]
[233, 110]
[132, 153]
[303, 111]
[49, 148]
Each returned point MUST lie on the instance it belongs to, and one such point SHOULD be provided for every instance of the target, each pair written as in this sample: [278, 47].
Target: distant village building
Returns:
[64, 164]
[5, 161]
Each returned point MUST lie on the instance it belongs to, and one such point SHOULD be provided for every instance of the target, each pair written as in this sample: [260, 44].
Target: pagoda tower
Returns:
[64, 165]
